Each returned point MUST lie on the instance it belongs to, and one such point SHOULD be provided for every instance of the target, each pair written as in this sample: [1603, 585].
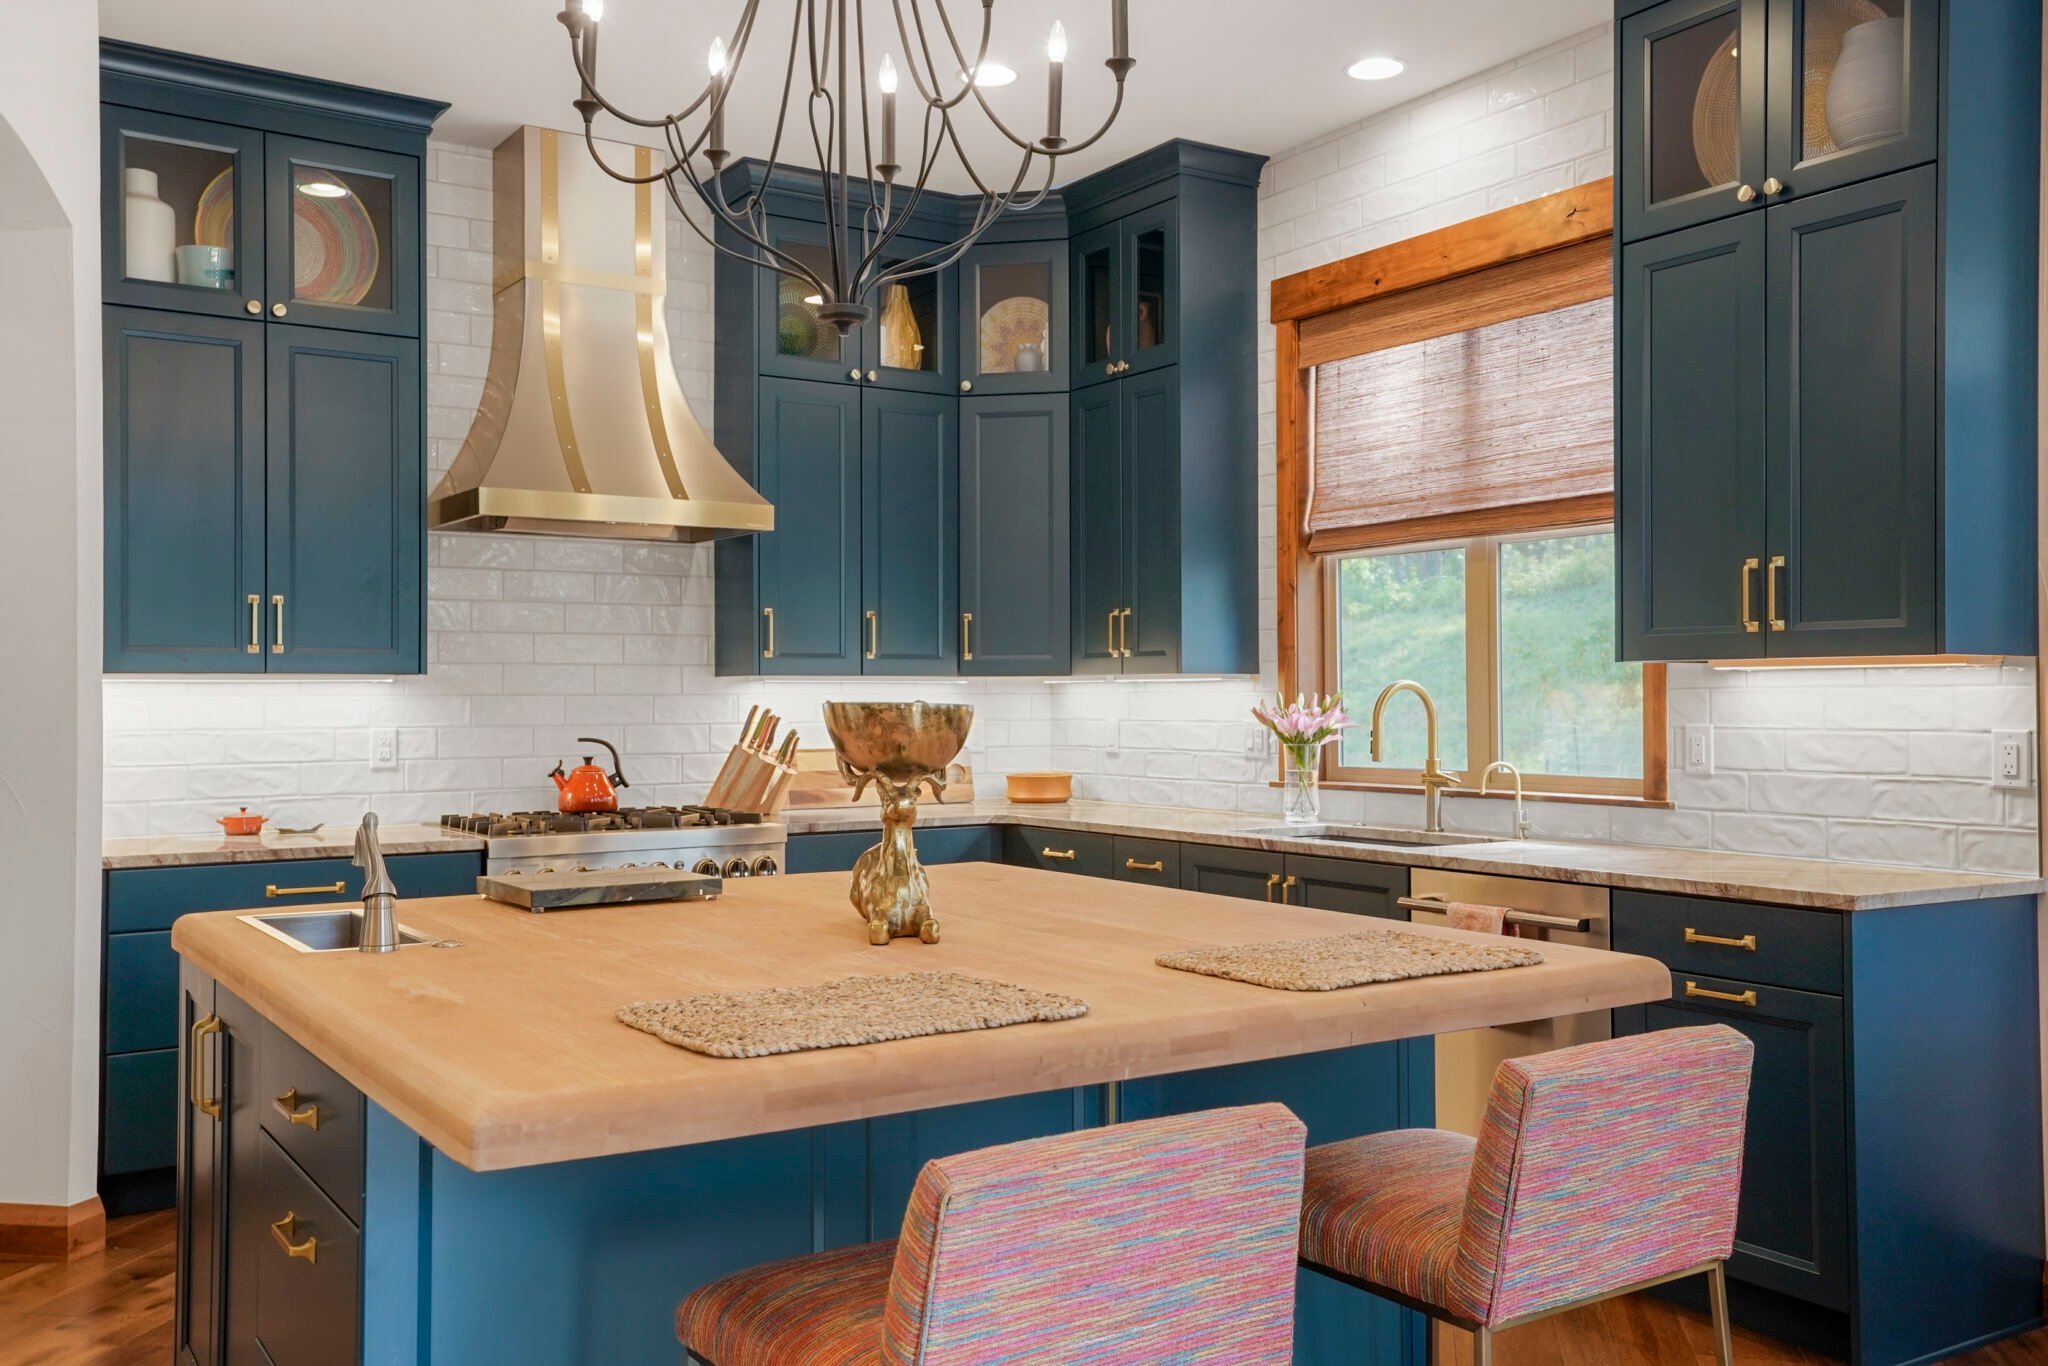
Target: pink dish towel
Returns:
[1463, 915]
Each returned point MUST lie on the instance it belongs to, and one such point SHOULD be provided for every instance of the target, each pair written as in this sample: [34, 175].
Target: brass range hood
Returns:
[583, 429]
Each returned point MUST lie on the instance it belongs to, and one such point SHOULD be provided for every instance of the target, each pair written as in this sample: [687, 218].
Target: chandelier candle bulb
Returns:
[1056, 50]
[1120, 30]
[715, 139]
[888, 83]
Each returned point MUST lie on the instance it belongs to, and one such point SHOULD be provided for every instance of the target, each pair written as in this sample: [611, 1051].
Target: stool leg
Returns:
[1717, 1298]
[1482, 1346]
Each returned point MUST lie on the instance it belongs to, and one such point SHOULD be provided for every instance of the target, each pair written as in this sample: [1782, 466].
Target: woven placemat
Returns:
[1347, 960]
[843, 1012]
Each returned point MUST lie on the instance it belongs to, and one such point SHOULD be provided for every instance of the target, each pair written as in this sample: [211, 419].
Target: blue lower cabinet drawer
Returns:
[1063, 851]
[142, 993]
[151, 898]
[315, 1116]
[308, 1270]
[838, 850]
[141, 1132]
[1784, 946]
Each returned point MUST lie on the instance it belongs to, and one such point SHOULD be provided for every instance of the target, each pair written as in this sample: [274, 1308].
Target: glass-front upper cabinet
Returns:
[794, 342]
[1150, 312]
[181, 216]
[1853, 91]
[343, 227]
[1093, 325]
[1013, 318]
[908, 343]
[1693, 80]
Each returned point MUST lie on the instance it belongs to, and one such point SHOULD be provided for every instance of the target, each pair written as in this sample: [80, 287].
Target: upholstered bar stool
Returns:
[1598, 1170]
[1163, 1241]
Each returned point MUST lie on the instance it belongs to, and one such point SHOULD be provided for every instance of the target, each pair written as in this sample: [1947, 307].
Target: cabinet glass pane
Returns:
[1853, 67]
[1013, 315]
[797, 329]
[1098, 303]
[907, 324]
[1151, 288]
[342, 247]
[1695, 134]
[177, 212]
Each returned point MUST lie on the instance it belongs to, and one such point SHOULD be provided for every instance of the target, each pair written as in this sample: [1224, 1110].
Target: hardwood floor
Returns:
[114, 1309]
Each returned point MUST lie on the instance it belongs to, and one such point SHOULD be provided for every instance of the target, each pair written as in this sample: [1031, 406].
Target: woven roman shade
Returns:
[1480, 406]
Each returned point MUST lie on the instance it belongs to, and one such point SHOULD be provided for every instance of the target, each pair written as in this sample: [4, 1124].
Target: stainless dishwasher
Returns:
[1554, 912]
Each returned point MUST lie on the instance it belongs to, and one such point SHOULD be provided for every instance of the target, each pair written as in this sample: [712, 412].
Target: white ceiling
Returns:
[1261, 75]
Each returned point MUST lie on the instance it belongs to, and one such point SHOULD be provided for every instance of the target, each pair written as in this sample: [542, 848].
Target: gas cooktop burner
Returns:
[495, 825]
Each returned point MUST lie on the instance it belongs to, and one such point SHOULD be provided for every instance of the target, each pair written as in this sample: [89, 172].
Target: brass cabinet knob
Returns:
[874, 375]
[254, 306]
[1773, 185]
[853, 375]
[277, 310]
[1745, 193]
[966, 386]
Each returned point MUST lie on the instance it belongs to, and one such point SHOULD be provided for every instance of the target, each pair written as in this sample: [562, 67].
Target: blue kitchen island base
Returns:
[584, 1262]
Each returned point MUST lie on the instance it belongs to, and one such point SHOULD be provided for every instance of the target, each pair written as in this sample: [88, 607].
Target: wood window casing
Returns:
[1423, 287]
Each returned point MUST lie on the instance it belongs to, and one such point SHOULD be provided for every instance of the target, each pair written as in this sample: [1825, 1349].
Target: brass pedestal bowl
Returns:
[897, 746]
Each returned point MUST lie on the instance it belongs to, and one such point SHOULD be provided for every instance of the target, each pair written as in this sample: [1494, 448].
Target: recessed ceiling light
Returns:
[1375, 68]
[991, 74]
[323, 189]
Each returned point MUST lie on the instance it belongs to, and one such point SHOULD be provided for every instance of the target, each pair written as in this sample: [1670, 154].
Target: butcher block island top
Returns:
[506, 1051]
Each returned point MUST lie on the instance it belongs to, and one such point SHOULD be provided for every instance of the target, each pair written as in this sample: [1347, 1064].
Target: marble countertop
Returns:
[1817, 883]
[329, 841]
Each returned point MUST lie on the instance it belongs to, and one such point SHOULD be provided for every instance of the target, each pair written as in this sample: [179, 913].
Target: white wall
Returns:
[536, 641]
[50, 611]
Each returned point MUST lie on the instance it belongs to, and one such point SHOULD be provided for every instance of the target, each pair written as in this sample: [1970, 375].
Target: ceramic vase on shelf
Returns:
[1301, 801]
[149, 229]
[1866, 95]
[902, 343]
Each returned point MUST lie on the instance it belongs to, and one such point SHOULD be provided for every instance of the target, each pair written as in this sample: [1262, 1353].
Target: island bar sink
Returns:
[1367, 834]
[325, 931]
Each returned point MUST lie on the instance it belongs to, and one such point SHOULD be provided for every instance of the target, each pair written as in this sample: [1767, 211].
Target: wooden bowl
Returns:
[1041, 788]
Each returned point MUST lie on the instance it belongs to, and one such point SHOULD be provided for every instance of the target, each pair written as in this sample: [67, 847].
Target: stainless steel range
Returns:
[699, 839]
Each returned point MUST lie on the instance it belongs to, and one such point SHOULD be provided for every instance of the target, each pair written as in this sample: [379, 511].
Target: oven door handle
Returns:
[1533, 919]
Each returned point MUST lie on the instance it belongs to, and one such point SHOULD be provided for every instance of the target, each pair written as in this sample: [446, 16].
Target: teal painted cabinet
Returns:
[1826, 380]
[910, 479]
[1013, 304]
[808, 453]
[1014, 598]
[265, 481]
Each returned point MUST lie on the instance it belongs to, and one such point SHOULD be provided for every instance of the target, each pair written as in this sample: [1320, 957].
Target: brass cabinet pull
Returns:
[277, 641]
[1693, 936]
[1749, 568]
[336, 888]
[1113, 652]
[253, 306]
[874, 634]
[768, 650]
[287, 1105]
[1771, 592]
[1272, 883]
[283, 1229]
[1286, 887]
[1063, 855]
[967, 636]
[255, 623]
[1156, 866]
[1745, 193]
[1123, 631]
[1773, 185]
[195, 1067]
[1740, 998]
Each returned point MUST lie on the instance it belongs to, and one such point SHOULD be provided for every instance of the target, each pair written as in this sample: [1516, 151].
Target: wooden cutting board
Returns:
[818, 783]
[597, 887]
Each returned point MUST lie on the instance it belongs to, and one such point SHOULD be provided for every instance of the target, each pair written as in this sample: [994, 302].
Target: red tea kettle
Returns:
[586, 788]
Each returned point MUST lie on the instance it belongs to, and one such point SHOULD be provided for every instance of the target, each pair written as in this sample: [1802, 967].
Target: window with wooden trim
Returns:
[1446, 438]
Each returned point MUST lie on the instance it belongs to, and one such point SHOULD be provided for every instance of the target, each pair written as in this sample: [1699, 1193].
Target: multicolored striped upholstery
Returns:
[1596, 1167]
[1164, 1241]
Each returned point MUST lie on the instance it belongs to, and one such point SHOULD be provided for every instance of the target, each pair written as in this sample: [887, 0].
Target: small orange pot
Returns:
[242, 823]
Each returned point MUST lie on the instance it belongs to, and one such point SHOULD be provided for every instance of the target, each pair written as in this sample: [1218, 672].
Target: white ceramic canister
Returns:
[1866, 97]
[149, 229]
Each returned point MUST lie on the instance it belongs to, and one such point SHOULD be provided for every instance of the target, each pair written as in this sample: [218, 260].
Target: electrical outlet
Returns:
[1696, 748]
[2012, 759]
[384, 748]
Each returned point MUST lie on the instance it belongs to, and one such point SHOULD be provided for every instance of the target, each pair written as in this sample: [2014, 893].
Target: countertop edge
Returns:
[1500, 858]
[193, 851]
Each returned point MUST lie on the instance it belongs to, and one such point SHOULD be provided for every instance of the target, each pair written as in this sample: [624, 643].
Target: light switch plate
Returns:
[1256, 741]
[1696, 749]
[384, 747]
[2012, 760]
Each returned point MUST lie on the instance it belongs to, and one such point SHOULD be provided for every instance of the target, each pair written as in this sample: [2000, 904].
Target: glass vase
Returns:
[1301, 799]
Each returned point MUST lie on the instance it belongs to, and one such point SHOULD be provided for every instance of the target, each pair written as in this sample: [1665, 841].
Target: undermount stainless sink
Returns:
[325, 931]
[1382, 835]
